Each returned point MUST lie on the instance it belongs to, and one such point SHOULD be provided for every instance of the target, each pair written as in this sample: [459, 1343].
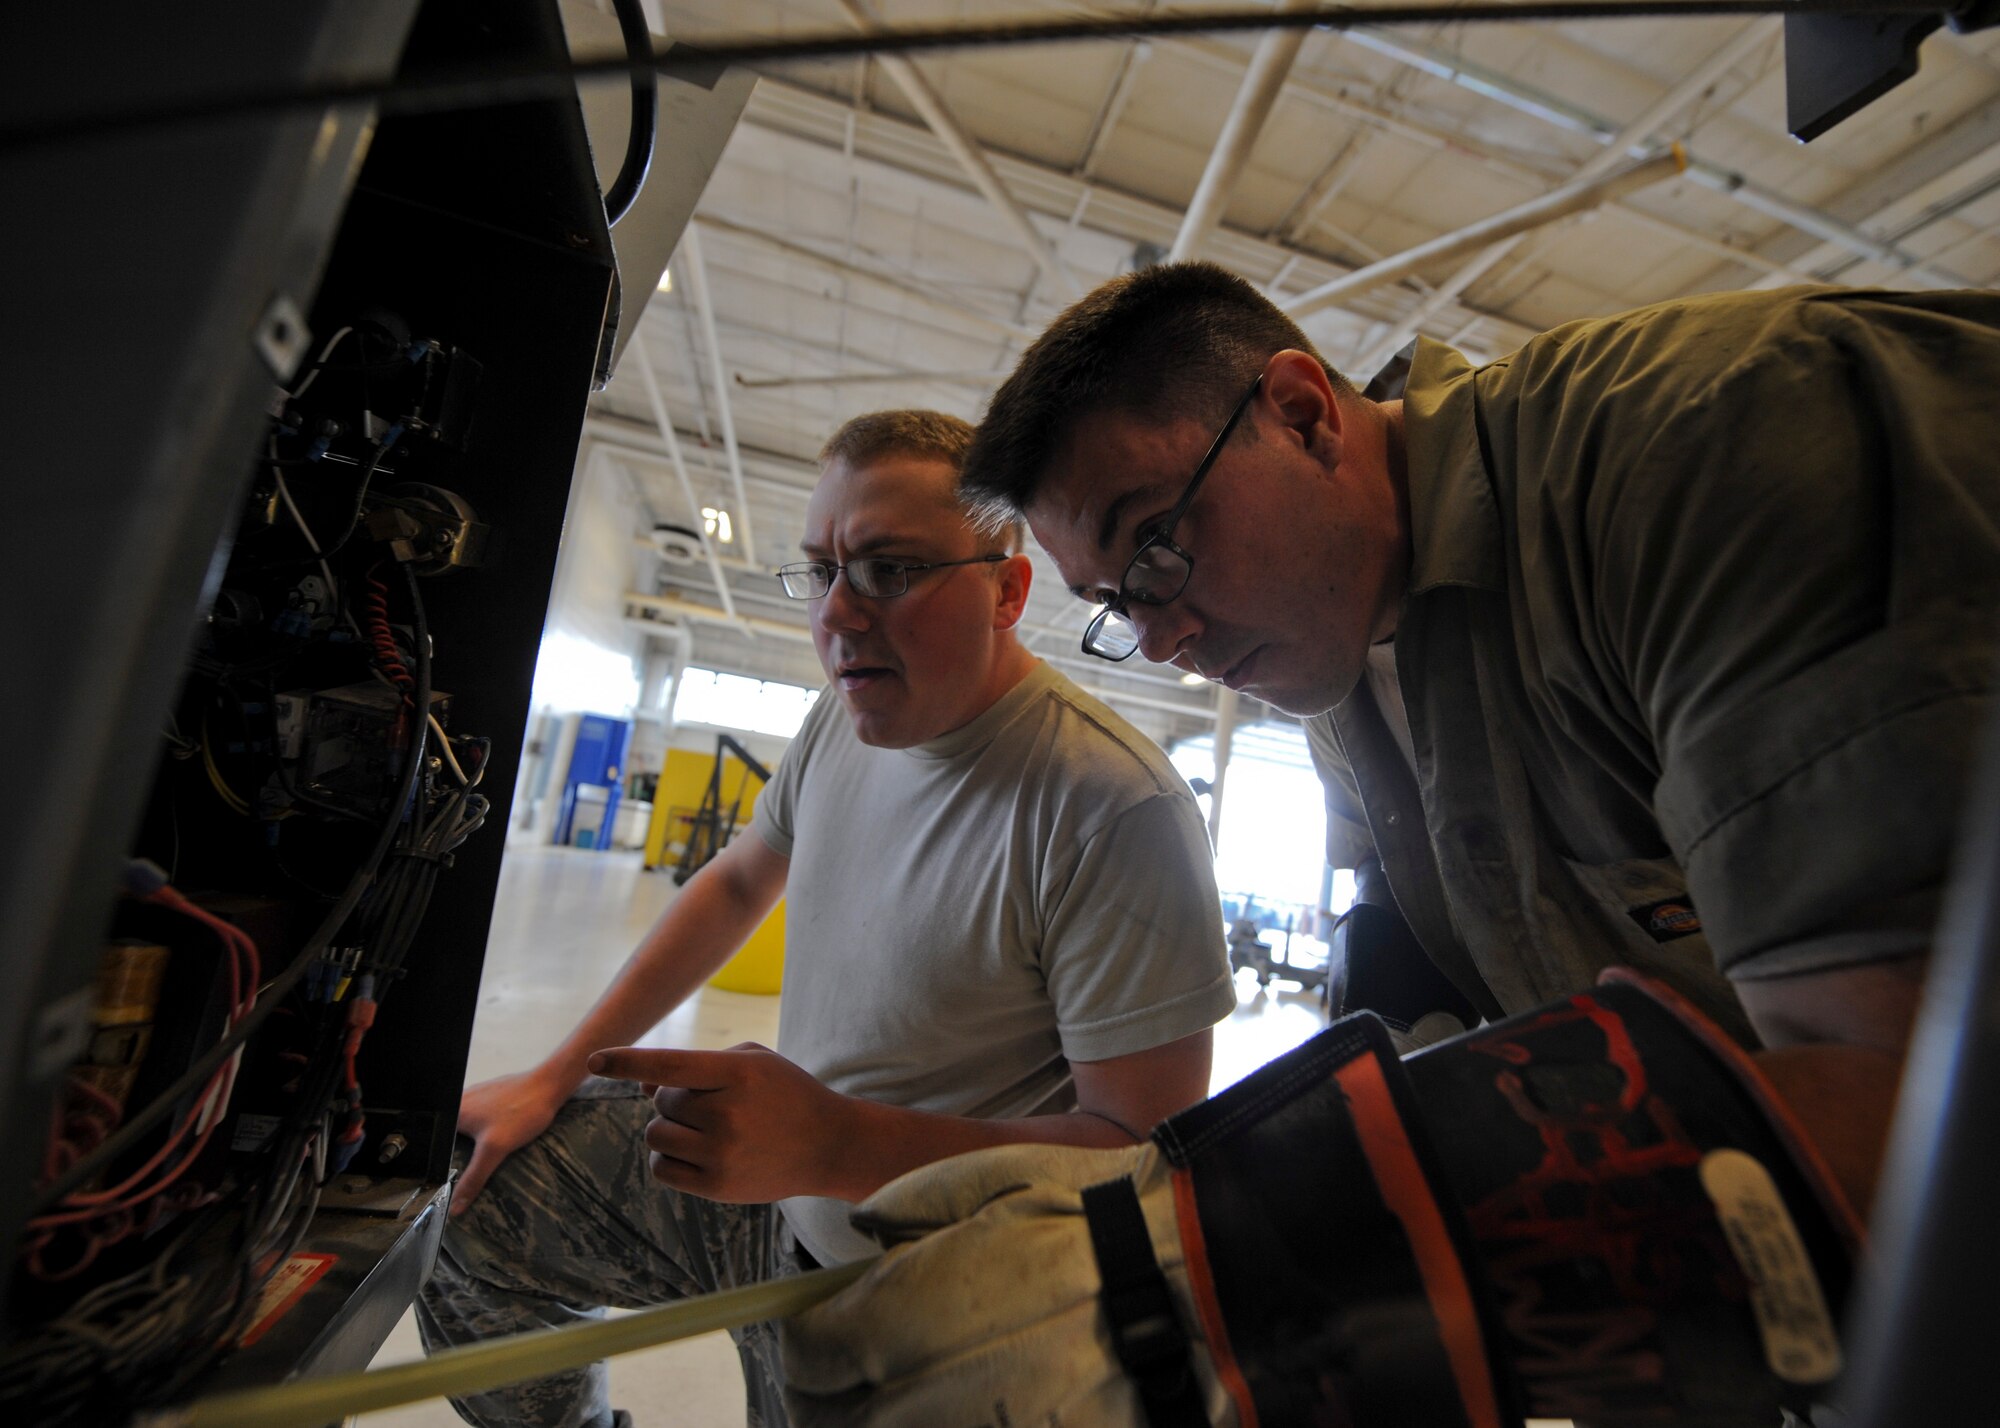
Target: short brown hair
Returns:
[1169, 342]
[914, 432]
[899, 433]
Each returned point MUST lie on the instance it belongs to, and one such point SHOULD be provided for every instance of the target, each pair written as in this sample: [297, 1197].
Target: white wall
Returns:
[590, 658]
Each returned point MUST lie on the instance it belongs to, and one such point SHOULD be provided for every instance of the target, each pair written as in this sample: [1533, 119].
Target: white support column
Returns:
[696, 273]
[928, 103]
[672, 442]
[1226, 702]
[1262, 82]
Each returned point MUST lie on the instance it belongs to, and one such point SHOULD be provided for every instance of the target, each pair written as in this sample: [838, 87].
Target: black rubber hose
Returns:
[618, 199]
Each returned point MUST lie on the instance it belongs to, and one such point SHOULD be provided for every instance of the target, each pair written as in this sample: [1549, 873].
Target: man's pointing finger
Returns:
[690, 1070]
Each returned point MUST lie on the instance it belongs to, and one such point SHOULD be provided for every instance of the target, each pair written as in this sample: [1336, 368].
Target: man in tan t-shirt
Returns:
[1002, 926]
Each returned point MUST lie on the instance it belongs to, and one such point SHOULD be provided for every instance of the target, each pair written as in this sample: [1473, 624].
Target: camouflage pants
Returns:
[575, 1222]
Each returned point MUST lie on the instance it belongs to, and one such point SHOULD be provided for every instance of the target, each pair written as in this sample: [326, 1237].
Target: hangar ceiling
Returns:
[845, 257]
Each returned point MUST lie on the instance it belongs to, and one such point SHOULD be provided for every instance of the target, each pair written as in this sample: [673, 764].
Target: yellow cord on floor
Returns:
[474, 1368]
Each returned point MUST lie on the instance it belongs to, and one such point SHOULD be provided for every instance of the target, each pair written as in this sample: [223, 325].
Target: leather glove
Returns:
[986, 1311]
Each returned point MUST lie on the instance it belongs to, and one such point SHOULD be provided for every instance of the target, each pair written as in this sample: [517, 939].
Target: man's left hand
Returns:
[743, 1125]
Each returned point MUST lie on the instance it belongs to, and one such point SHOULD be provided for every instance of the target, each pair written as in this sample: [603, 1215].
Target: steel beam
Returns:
[958, 312]
[1552, 109]
[1270, 62]
[895, 150]
[1113, 108]
[928, 103]
[1636, 136]
[1573, 197]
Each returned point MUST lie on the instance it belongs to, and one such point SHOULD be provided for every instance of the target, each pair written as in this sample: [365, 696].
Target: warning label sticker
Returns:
[285, 1288]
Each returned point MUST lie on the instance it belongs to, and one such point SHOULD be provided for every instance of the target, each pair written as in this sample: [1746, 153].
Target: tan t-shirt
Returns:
[967, 917]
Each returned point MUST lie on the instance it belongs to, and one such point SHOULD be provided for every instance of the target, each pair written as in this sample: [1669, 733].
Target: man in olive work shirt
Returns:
[1690, 614]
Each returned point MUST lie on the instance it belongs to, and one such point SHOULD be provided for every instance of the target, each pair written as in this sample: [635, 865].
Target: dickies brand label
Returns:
[1666, 920]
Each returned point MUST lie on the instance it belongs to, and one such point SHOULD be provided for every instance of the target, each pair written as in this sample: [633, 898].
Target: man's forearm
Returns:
[699, 931]
[879, 1143]
[1837, 1040]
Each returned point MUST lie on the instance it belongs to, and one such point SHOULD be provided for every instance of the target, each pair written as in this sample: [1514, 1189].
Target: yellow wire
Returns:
[473, 1368]
[229, 795]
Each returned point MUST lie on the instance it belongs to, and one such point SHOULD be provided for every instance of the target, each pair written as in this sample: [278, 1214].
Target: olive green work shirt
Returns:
[1698, 640]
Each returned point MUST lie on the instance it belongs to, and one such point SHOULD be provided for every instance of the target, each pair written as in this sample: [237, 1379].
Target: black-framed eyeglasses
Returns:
[1159, 570]
[876, 576]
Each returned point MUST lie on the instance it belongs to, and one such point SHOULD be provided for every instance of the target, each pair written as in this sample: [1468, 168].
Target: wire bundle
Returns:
[144, 1336]
[135, 1204]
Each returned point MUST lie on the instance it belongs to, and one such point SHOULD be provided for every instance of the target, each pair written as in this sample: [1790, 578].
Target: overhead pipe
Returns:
[983, 377]
[651, 381]
[704, 306]
[927, 102]
[708, 615]
[1262, 82]
[790, 479]
[1572, 197]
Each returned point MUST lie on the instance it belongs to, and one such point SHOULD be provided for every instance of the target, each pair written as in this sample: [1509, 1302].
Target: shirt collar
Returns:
[1454, 522]
[984, 728]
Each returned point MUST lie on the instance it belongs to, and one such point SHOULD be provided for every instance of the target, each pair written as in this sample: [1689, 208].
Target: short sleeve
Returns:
[1349, 843]
[775, 815]
[1806, 614]
[1132, 951]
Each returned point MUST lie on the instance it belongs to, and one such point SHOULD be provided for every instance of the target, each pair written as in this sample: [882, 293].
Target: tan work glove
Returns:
[986, 1311]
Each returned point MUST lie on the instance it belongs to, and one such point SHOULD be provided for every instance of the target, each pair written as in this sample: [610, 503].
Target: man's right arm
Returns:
[718, 909]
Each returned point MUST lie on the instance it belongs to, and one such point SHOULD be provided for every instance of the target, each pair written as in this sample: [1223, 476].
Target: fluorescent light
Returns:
[1192, 679]
[715, 521]
[666, 280]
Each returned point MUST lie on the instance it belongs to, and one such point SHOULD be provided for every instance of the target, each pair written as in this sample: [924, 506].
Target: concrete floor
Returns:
[564, 923]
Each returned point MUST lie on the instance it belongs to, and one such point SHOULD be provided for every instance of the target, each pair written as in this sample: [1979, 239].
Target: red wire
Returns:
[388, 654]
[232, 936]
[93, 1204]
[245, 970]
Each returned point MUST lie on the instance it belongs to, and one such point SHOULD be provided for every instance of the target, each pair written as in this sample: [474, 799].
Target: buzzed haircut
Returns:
[915, 432]
[1167, 343]
[899, 433]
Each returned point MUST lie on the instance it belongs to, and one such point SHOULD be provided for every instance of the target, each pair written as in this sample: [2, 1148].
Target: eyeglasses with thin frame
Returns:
[1159, 570]
[876, 576]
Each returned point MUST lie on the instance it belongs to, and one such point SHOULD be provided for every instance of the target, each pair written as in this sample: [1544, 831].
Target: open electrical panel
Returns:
[254, 843]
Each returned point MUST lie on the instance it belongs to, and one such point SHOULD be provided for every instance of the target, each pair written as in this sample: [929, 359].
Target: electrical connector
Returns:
[144, 877]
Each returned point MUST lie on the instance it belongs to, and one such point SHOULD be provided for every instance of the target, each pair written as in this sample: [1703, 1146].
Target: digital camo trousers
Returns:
[574, 1222]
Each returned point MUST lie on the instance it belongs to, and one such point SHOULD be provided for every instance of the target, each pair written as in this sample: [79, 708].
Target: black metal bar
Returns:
[487, 85]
